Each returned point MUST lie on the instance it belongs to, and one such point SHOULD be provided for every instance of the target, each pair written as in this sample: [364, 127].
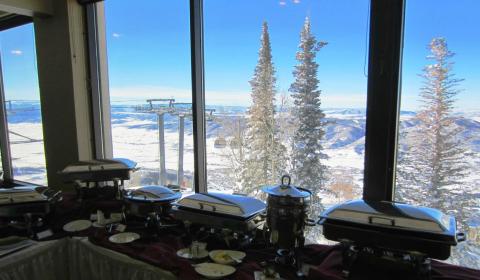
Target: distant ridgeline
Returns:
[345, 125]
[23, 111]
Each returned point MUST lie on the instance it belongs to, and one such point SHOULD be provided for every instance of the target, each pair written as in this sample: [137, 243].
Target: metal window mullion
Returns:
[198, 95]
[383, 98]
[95, 87]
[99, 91]
[4, 140]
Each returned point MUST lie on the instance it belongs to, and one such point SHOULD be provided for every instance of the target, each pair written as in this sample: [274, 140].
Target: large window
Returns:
[287, 83]
[150, 89]
[264, 124]
[439, 136]
[22, 104]
[285, 93]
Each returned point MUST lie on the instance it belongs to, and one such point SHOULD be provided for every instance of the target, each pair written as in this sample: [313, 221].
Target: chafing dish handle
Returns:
[311, 222]
[53, 195]
[381, 221]
[214, 209]
[461, 237]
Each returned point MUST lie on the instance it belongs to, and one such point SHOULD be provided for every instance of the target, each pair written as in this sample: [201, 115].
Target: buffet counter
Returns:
[89, 254]
[78, 258]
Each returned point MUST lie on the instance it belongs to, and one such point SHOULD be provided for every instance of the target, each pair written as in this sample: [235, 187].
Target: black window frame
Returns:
[387, 20]
[383, 97]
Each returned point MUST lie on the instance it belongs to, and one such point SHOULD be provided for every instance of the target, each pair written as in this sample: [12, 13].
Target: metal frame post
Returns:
[198, 95]
[161, 146]
[4, 140]
[181, 143]
[98, 83]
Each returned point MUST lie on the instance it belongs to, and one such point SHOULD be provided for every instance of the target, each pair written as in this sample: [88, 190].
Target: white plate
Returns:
[185, 253]
[124, 237]
[77, 225]
[226, 256]
[97, 225]
[214, 270]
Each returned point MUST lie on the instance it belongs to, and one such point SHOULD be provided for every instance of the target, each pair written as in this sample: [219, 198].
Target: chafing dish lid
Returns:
[101, 170]
[230, 204]
[392, 214]
[152, 194]
[99, 165]
[21, 194]
[285, 189]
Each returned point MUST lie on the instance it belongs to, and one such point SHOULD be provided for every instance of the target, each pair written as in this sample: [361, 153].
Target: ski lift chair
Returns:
[220, 143]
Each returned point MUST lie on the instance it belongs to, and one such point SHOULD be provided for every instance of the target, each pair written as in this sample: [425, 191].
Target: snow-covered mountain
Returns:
[344, 133]
[135, 136]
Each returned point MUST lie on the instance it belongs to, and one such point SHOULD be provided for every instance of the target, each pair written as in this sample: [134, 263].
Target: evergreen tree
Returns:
[308, 169]
[264, 159]
[431, 166]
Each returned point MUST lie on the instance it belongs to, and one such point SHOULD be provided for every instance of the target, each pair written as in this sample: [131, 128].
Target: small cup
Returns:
[195, 248]
[100, 217]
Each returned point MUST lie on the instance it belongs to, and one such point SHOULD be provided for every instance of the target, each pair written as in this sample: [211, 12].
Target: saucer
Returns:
[124, 237]
[186, 253]
[214, 270]
[77, 225]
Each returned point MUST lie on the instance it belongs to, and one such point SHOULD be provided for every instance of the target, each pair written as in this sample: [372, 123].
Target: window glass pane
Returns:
[149, 58]
[22, 99]
[439, 139]
[270, 119]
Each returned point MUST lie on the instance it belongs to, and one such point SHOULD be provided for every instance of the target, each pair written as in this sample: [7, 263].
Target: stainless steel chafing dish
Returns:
[99, 178]
[30, 199]
[220, 210]
[392, 226]
[27, 207]
[100, 170]
[151, 204]
[149, 199]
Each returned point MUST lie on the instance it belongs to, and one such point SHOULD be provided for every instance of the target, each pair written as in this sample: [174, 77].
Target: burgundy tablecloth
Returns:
[161, 251]
[325, 261]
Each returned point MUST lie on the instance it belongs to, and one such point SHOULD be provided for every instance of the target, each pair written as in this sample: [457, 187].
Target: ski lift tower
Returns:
[182, 110]
[9, 102]
[159, 107]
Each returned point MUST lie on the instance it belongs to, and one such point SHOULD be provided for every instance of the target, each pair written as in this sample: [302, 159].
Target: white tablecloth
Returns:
[75, 259]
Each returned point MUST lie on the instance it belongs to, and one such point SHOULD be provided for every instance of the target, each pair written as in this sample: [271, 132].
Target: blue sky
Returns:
[149, 51]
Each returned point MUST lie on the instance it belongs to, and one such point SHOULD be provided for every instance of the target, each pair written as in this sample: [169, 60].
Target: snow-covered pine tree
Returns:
[264, 155]
[431, 165]
[308, 169]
